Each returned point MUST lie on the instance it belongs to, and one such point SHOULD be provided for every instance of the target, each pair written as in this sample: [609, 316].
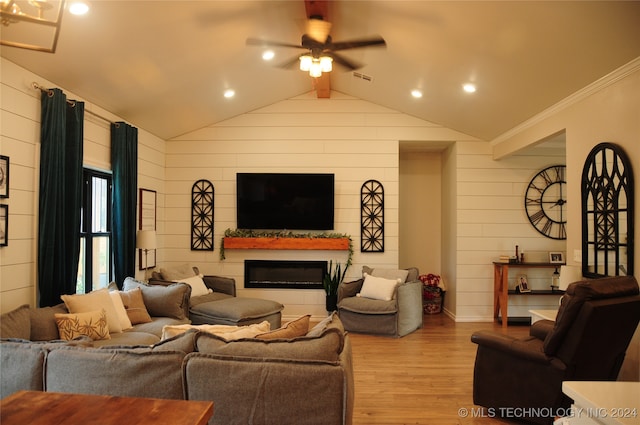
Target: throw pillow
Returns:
[123, 318]
[92, 324]
[134, 306]
[197, 285]
[295, 328]
[226, 332]
[94, 301]
[163, 301]
[178, 272]
[386, 273]
[378, 288]
[16, 323]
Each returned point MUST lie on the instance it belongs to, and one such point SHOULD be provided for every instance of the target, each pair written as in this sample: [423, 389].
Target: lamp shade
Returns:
[568, 275]
[146, 239]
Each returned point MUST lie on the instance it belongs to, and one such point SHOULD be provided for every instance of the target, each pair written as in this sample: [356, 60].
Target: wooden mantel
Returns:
[286, 243]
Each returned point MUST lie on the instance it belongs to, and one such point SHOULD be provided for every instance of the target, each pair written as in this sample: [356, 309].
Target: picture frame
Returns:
[522, 284]
[4, 176]
[4, 225]
[556, 257]
[147, 221]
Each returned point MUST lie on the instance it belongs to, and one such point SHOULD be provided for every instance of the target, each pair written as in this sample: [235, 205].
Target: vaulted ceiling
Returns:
[164, 65]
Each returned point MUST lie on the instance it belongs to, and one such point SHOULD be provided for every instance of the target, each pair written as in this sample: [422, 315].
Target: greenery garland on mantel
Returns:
[243, 233]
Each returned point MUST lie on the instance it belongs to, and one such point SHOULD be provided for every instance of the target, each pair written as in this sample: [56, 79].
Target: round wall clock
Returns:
[546, 202]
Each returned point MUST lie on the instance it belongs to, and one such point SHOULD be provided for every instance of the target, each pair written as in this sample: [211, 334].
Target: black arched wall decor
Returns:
[607, 213]
[372, 216]
[202, 193]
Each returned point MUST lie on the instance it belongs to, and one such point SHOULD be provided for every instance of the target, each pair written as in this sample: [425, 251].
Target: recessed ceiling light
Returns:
[469, 88]
[268, 55]
[78, 8]
[416, 93]
[229, 93]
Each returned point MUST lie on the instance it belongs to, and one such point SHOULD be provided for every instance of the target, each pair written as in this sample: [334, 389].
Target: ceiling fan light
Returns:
[326, 63]
[316, 69]
[305, 63]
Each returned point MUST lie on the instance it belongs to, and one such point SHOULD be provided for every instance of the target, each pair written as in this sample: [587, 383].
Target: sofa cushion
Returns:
[401, 274]
[238, 309]
[43, 322]
[156, 325]
[128, 339]
[325, 347]
[116, 372]
[92, 324]
[134, 306]
[185, 342]
[368, 306]
[163, 301]
[211, 296]
[294, 328]
[226, 332]
[94, 301]
[23, 363]
[16, 323]
[378, 288]
[177, 272]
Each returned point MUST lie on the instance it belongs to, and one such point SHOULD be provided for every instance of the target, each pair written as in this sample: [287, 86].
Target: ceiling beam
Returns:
[320, 8]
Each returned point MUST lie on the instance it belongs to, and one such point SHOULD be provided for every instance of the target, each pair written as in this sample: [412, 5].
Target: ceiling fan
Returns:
[321, 49]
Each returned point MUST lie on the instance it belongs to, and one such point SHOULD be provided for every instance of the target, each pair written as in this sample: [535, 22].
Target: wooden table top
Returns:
[48, 408]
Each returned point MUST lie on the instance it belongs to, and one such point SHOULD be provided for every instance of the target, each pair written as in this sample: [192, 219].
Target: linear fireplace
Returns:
[284, 274]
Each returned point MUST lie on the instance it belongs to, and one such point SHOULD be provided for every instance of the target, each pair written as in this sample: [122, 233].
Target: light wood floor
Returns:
[423, 378]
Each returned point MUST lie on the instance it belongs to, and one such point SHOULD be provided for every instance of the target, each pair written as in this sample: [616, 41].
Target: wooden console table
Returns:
[501, 287]
[48, 408]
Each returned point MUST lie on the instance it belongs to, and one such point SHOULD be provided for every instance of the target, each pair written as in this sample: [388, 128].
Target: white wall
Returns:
[354, 139]
[607, 111]
[20, 140]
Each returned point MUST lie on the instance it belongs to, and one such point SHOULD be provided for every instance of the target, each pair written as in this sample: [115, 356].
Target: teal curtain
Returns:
[124, 162]
[60, 196]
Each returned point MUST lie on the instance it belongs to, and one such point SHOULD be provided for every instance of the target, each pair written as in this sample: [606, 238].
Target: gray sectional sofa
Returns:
[306, 379]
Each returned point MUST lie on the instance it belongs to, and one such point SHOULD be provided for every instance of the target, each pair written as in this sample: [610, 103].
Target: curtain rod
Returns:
[71, 102]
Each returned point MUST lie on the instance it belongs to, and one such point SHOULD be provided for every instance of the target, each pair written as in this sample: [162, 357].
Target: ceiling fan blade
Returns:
[290, 64]
[267, 43]
[354, 44]
[341, 60]
[318, 29]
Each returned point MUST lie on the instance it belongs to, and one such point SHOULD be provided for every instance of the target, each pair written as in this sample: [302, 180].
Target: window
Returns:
[95, 266]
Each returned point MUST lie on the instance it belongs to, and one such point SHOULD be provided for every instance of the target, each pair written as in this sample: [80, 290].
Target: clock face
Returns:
[546, 202]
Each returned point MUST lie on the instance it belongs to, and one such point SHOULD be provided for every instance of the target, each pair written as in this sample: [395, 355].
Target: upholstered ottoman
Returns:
[237, 312]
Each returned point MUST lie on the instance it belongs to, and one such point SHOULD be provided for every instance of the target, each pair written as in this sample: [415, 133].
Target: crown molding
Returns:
[609, 79]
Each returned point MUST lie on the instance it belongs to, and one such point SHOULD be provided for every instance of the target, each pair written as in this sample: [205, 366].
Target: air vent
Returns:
[362, 76]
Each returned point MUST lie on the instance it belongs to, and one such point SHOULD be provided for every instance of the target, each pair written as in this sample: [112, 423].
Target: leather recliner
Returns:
[587, 342]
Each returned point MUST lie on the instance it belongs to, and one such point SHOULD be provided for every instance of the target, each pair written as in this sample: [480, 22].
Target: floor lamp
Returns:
[146, 241]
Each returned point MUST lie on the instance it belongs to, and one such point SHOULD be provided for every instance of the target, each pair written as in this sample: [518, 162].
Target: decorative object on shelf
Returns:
[607, 213]
[522, 285]
[545, 202]
[556, 257]
[147, 222]
[202, 193]
[269, 236]
[432, 293]
[4, 176]
[331, 281]
[4, 225]
[372, 217]
[555, 280]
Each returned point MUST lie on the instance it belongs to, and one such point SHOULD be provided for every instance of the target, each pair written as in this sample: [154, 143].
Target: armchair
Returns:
[399, 316]
[587, 342]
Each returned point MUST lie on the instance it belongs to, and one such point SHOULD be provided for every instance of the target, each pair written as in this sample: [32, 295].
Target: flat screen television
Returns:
[279, 201]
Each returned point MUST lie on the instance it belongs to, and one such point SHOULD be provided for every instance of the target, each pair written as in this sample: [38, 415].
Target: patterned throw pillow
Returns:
[92, 324]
